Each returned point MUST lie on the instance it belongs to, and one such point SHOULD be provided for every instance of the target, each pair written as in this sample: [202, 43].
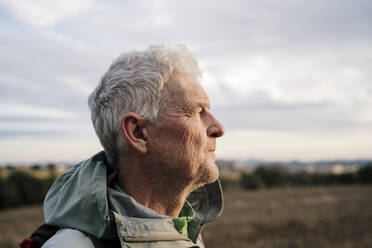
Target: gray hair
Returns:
[134, 83]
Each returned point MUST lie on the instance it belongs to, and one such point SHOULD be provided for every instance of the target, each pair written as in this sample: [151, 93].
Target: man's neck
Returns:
[165, 196]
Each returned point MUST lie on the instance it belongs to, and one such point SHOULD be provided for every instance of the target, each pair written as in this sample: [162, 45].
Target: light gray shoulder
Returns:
[69, 238]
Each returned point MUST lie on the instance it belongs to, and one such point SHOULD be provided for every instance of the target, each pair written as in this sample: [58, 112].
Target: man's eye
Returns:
[199, 111]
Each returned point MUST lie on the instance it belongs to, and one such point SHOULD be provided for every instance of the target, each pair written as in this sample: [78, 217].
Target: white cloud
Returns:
[46, 13]
[77, 84]
[18, 82]
[55, 149]
[53, 126]
[63, 38]
[162, 15]
[18, 110]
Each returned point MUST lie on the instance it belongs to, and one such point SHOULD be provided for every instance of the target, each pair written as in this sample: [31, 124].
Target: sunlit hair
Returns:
[134, 83]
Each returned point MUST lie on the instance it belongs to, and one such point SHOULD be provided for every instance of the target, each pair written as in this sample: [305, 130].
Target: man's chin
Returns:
[208, 175]
[214, 176]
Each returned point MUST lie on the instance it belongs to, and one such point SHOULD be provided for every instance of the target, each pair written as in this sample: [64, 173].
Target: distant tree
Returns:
[276, 175]
[21, 188]
[301, 178]
[365, 174]
[35, 167]
[51, 166]
[9, 194]
[30, 189]
[52, 169]
[250, 181]
[346, 178]
[10, 167]
[271, 176]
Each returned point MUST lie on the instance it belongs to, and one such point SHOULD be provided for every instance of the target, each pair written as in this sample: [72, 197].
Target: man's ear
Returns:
[135, 132]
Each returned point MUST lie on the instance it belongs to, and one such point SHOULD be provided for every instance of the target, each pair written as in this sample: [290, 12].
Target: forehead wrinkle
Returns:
[186, 94]
[198, 98]
[202, 104]
[198, 102]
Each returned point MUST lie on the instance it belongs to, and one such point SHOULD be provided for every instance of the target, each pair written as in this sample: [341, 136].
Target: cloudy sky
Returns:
[288, 79]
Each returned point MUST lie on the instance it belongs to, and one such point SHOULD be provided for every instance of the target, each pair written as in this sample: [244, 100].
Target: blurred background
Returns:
[290, 81]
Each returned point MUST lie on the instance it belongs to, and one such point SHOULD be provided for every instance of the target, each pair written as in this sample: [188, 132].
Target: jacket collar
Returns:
[82, 199]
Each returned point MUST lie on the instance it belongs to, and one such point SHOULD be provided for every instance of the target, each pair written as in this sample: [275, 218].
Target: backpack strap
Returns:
[46, 231]
[39, 236]
[102, 243]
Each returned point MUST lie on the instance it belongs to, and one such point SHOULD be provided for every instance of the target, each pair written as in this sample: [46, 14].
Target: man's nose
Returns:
[215, 129]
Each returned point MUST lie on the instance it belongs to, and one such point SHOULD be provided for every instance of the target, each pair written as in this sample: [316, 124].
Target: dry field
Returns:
[331, 217]
[285, 217]
[16, 224]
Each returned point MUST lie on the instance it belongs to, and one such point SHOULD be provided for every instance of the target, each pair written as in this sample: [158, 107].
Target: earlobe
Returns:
[134, 131]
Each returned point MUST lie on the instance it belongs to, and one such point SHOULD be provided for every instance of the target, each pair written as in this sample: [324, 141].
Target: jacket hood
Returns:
[82, 199]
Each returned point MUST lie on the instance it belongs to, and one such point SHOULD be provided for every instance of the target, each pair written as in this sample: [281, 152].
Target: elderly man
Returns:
[155, 185]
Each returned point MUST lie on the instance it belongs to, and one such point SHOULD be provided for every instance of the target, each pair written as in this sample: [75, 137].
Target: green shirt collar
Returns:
[187, 214]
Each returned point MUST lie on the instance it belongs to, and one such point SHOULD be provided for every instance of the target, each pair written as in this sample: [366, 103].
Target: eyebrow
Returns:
[192, 106]
[205, 105]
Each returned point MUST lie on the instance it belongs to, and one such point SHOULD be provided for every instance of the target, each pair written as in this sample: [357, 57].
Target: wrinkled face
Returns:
[183, 143]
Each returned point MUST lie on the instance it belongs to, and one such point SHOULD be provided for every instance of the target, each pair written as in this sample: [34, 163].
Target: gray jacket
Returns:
[92, 214]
